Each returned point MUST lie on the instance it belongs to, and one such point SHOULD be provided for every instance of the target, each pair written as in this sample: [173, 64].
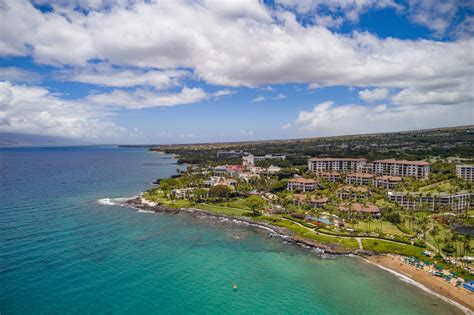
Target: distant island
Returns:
[8, 139]
[401, 200]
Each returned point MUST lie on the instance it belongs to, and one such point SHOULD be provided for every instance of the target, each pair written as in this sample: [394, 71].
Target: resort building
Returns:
[313, 201]
[330, 176]
[252, 159]
[250, 178]
[366, 168]
[353, 193]
[440, 202]
[401, 168]
[217, 180]
[182, 193]
[387, 182]
[303, 184]
[361, 208]
[257, 170]
[335, 164]
[231, 170]
[359, 178]
[272, 169]
[220, 170]
[465, 171]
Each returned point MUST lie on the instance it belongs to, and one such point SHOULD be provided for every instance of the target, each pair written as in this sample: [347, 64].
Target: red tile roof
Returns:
[354, 189]
[329, 174]
[303, 181]
[368, 208]
[361, 175]
[405, 162]
[235, 167]
[337, 159]
[389, 178]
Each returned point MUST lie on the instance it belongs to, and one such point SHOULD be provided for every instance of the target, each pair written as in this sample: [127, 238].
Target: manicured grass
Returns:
[382, 246]
[444, 186]
[387, 227]
[221, 209]
[346, 243]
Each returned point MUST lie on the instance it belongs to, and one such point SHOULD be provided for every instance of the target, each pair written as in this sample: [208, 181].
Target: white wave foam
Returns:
[112, 201]
[419, 285]
[145, 211]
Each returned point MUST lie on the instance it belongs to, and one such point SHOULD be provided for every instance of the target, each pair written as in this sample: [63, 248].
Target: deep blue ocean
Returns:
[63, 252]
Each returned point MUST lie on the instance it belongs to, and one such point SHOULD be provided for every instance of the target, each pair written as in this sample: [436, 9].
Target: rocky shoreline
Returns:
[321, 250]
[275, 231]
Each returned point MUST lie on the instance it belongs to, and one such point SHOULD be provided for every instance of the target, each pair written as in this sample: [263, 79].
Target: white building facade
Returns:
[401, 168]
[335, 164]
[465, 171]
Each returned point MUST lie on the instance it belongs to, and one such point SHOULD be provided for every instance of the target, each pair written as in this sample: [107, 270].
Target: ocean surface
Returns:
[64, 249]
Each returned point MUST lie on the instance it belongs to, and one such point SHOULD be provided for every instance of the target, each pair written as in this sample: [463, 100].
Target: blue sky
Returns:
[123, 71]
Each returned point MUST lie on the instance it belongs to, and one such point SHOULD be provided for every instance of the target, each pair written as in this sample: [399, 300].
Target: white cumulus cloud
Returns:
[374, 95]
[326, 119]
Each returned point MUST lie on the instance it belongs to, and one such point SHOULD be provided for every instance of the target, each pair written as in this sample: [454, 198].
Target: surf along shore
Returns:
[459, 297]
[427, 280]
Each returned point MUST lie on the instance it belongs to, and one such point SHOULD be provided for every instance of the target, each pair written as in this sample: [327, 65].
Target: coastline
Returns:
[458, 297]
[463, 300]
[140, 204]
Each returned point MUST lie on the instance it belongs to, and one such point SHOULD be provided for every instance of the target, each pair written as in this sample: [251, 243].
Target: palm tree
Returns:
[466, 245]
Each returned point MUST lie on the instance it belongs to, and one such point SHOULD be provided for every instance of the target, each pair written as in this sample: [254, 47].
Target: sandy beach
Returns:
[461, 297]
[433, 283]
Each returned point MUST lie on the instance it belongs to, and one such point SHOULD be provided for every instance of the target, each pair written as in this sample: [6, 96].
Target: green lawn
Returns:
[382, 246]
[444, 186]
[346, 243]
[387, 227]
[221, 209]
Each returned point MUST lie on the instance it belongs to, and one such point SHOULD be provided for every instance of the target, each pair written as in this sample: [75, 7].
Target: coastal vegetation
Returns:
[355, 217]
[433, 144]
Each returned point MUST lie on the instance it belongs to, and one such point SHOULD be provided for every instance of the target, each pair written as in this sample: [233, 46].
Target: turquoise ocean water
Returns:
[62, 252]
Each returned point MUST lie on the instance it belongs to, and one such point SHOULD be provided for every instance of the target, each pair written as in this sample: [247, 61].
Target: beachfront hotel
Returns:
[401, 168]
[465, 171]
[303, 184]
[335, 164]
[456, 202]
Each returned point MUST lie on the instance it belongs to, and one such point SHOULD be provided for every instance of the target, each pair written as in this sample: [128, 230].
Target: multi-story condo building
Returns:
[359, 178]
[361, 208]
[443, 201]
[401, 168]
[353, 193]
[465, 171]
[330, 176]
[231, 170]
[303, 184]
[387, 182]
[335, 164]
[366, 168]
[313, 201]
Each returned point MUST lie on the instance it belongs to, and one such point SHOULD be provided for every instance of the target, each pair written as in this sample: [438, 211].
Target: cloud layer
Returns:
[34, 110]
[149, 54]
[327, 119]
